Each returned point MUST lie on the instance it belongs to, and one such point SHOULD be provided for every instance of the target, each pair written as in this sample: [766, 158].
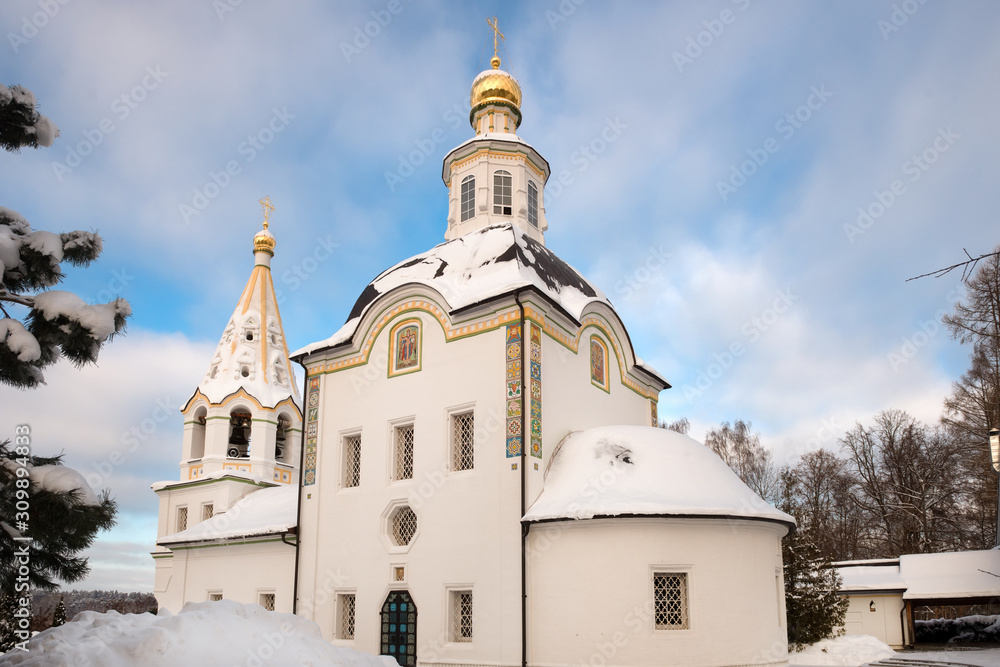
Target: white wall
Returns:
[884, 623]
[591, 589]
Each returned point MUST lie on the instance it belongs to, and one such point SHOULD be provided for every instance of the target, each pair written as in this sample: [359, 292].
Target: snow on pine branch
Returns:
[20, 123]
[58, 323]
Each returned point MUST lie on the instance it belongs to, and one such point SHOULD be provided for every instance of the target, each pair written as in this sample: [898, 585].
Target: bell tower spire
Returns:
[496, 177]
[244, 411]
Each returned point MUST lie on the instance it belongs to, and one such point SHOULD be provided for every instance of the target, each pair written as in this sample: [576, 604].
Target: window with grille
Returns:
[182, 519]
[345, 629]
[670, 600]
[404, 526]
[267, 601]
[462, 441]
[403, 464]
[207, 511]
[352, 460]
[468, 197]
[532, 204]
[502, 203]
[215, 596]
[461, 616]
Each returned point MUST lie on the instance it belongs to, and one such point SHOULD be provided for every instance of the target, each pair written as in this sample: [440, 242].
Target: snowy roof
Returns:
[217, 474]
[252, 354]
[223, 632]
[264, 512]
[874, 577]
[951, 575]
[629, 470]
[480, 265]
[960, 574]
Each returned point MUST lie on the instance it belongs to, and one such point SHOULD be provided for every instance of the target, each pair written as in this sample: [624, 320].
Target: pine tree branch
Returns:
[15, 298]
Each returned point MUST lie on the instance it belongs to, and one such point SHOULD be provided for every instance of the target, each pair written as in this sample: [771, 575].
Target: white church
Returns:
[474, 476]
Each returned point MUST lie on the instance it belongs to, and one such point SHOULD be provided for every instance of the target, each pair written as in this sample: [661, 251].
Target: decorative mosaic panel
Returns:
[654, 419]
[536, 391]
[514, 389]
[406, 347]
[312, 432]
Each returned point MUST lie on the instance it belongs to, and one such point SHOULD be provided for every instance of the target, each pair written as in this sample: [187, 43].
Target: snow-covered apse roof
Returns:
[265, 512]
[487, 263]
[641, 470]
[952, 575]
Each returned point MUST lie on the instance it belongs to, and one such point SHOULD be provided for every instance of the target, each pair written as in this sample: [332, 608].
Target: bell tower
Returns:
[244, 417]
[496, 177]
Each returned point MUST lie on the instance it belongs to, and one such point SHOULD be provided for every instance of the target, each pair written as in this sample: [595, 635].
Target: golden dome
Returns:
[264, 242]
[495, 86]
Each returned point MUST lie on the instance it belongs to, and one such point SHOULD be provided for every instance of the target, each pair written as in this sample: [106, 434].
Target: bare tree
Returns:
[681, 426]
[908, 482]
[742, 451]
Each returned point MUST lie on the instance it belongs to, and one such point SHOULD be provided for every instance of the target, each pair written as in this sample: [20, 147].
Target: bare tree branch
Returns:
[968, 266]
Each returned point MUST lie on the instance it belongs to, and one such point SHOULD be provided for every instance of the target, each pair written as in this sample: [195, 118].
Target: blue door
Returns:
[399, 628]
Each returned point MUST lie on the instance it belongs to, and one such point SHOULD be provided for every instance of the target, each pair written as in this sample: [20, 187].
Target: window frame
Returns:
[503, 193]
[182, 509]
[453, 452]
[467, 204]
[207, 511]
[456, 617]
[346, 441]
[342, 617]
[261, 599]
[684, 572]
[398, 428]
[532, 204]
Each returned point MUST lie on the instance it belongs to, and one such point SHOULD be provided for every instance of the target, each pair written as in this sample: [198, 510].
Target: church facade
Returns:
[462, 494]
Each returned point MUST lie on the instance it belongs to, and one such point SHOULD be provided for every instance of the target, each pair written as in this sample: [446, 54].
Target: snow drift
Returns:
[203, 633]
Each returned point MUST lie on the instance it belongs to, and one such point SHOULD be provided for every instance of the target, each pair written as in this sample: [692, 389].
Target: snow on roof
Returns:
[616, 470]
[960, 574]
[951, 575]
[203, 633]
[881, 577]
[487, 263]
[218, 474]
[252, 353]
[264, 512]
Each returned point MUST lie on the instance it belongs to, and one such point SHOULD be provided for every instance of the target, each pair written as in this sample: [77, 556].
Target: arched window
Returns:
[468, 197]
[281, 437]
[239, 433]
[502, 202]
[399, 628]
[532, 204]
[198, 434]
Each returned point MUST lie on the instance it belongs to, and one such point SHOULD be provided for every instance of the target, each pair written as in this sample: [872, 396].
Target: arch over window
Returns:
[468, 198]
[599, 363]
[502, 193]
[532, 204]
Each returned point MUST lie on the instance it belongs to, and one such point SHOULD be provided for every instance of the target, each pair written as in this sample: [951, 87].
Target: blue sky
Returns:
[709, 162]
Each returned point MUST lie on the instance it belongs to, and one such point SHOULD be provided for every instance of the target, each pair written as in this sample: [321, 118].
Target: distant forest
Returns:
[43, 605]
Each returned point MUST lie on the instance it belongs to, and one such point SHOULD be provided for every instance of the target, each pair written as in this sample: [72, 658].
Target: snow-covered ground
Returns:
[230, 633]
[857, 650]
[203, 633]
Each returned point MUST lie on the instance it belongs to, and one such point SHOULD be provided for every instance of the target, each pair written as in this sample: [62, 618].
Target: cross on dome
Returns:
[495, 61]
[264, 240]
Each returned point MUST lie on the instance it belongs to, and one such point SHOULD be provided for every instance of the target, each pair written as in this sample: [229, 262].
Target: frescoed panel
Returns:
[536, 391]
[513, 381]
[312, 431]
[404, 341]
[598, 363]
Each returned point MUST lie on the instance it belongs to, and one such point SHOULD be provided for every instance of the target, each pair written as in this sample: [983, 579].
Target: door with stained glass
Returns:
[399, 628]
